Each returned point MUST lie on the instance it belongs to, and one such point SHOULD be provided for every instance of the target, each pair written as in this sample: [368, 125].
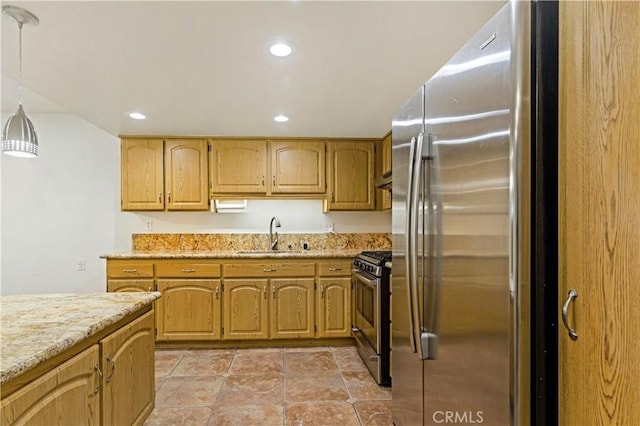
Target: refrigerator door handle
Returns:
[415, 172]
[408, 232]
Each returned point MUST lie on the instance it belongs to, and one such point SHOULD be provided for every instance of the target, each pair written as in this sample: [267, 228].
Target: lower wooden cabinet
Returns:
[246, 303]
[334, 307]
[114, 377]
[292, 308]
[188, 309]
[130, 285]
[127, 360]
[70, 392]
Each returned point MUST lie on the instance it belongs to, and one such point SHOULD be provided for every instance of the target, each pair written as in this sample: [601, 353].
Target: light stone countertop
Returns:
[37, 327]
[236, 254]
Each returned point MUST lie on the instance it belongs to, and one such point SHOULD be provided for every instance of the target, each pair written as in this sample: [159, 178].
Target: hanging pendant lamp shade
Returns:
[18, 135]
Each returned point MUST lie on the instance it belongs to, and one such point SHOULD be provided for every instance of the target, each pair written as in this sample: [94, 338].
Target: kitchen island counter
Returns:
[40, 327]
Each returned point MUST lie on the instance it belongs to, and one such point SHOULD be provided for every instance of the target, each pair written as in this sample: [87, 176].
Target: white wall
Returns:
[58, 208]
[296, 216]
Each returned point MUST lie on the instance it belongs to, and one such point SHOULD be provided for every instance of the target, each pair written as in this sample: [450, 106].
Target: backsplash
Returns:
[149, 243]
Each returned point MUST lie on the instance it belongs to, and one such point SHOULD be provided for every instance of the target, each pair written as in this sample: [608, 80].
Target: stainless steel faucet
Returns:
[273, 244]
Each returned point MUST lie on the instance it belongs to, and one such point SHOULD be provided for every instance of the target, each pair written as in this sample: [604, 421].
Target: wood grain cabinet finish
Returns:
[68, 394]
[159, 174]
[386, 165]
[246, 304]
[297, 167]
[142, 174]
[125, 268]
[186, 177]
[127, 359]
[292, 308]
[334, 307]
[189, 309]
[351, 168]
[115, 286]
[238, 166]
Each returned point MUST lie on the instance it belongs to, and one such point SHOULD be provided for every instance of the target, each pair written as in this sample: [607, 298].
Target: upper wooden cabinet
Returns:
[185, 174]
[238, 166]
[351, 168]
[386, 165]
[160, 174]
[297, 167]
[142, 176]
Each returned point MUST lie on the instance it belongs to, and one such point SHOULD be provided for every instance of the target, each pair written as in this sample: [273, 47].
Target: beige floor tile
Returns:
[259, 350]
[179, 416]
[159, 381]
[203, 365]
[254, 363]
[348, 359]
[374, 413]
[362, 386]
[249, 389]
[295, 362]
[247, 415]
[189, 391]
[306, 348]
[321, 414]
[165, 362]
[209, 351]
[314, 387]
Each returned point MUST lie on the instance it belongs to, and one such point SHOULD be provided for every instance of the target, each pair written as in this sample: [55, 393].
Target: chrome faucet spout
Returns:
[273, 243]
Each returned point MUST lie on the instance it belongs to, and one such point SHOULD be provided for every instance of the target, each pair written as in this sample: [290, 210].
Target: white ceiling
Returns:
[201, 68]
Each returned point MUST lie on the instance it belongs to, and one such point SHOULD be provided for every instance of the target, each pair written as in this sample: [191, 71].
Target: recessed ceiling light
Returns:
[280, 118]
[281, 49]
[137, 115]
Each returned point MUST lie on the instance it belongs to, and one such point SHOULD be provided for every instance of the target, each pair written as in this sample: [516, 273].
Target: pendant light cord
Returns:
[20, 63]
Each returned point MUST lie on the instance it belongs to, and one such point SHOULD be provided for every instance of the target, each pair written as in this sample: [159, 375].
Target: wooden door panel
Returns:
[599, 201]
[238, 166]
[292, 308]
[142, 184]
[186, 174]
[246, 309]
[334, 307]
[297, 167]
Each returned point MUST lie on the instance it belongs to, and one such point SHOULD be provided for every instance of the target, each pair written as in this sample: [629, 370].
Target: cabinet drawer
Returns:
[129, 269]
[188, 270]
[269, 269]
[334, 268]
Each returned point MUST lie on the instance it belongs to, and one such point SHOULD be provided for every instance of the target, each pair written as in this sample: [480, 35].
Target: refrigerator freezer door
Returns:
[467, 112]
[407, 389]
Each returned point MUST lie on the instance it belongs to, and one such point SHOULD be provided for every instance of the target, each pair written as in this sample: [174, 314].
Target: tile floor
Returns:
[320, 386]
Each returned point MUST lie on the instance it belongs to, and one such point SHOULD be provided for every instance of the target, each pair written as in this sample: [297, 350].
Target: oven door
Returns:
[366, 295]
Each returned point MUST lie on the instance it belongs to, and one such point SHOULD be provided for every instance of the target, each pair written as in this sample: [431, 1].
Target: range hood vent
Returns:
[384, 181]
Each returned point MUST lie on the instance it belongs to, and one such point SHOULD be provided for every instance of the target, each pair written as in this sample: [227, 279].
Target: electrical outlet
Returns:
[81, 264]
[330, 228]
[148, 224]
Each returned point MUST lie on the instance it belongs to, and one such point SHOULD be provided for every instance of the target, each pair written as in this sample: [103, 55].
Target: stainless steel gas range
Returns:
[371, 317]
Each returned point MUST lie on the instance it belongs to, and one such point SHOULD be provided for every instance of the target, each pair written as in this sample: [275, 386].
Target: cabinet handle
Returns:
[264, 290]
[262, 180]
[268, 270]
[335, 269]
[160, 197]
[565, 313]
[150, 288]
[169, 196]
[130, 271]
[97, 388]
[333, 197]
[274, 180]
[273, 291]
[188, 270]
[321, 292]
[217, 292]
[113, 368]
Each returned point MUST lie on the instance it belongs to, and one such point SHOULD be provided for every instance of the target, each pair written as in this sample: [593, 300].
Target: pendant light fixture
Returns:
[18, 135]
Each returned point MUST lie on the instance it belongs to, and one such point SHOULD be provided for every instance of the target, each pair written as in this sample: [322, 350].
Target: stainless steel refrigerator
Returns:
[462, 234]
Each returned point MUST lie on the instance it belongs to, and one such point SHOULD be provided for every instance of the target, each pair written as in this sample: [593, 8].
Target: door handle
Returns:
[565, 313]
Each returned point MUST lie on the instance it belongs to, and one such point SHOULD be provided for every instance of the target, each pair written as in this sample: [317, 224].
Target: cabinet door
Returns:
[292, 308]
[238, 166]
[142, 184]
[127, 359]
[189, 310]
[297, 167]
[245, 309]
[129, 285]
[351, 172]
[70, 392]
[186, 174]
[334, 307]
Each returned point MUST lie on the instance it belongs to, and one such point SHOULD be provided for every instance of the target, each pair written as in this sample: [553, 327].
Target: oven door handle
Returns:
[373, 283]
